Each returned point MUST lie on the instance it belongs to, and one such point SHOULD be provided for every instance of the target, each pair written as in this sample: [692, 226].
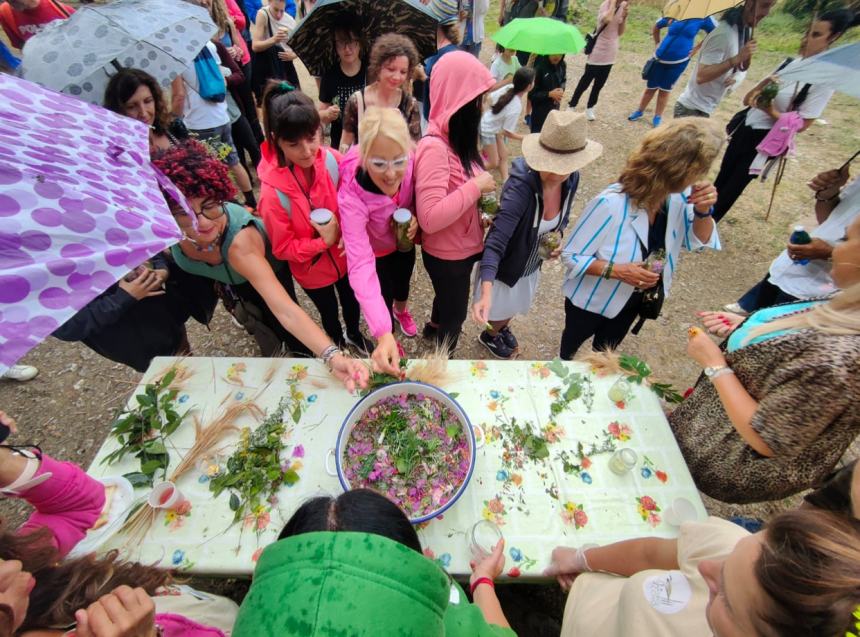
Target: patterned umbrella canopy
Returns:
[80, 206]
[837, 68]
[78, 55]
[313, 38]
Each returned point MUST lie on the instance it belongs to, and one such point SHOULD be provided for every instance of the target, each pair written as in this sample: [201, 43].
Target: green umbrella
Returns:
[544, 36]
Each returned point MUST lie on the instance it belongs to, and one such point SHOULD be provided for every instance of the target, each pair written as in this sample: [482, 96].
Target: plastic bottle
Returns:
[800, 237]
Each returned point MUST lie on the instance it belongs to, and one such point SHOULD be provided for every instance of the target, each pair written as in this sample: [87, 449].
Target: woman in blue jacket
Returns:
[659, 205]
[536, 200]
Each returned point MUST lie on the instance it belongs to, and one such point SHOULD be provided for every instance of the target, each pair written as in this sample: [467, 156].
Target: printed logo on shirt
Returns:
[668, 593]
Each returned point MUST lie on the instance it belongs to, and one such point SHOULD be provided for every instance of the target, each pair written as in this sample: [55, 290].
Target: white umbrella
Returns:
[837, 68]
[78, 55]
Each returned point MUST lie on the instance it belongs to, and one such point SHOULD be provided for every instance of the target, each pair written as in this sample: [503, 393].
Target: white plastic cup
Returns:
[623, 461]
[681, 510]
[321, 216]
[165, 495]
[483, 538]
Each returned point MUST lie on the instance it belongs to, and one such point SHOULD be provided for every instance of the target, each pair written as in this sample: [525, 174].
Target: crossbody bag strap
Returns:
[61, 9]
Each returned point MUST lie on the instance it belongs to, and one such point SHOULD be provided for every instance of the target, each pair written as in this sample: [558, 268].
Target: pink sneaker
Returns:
[406, 322]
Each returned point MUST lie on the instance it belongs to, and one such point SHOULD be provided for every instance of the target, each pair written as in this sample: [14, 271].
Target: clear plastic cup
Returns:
[165, 495]
[483, 538]
[402, 221]
[623, 461]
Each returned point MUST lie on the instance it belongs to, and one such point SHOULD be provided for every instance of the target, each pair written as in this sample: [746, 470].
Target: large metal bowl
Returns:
[394, 389]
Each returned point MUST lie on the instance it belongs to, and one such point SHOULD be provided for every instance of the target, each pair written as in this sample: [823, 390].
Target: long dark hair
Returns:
[359, 510]
[288, 114]
[123, 85]
[463, 134]
[840, 21]
[64, 587]
[522, 78]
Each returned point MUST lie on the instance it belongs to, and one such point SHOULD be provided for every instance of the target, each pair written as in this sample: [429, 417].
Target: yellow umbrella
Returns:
[686, 9]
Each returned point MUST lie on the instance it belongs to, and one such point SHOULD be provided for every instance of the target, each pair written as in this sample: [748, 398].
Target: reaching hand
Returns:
[830, 180]
[818, 249]
[703, 350]
[565, 564]
[492, 565]
[125, 612]
[481, 308]
[350, 371]
[702, 196]
[720, 323]
[386, 356]
[147, 284]
[330, 232]
[485, 182]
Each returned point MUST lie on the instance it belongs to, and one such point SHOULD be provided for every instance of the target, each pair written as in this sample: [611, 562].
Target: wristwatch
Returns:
[715, 372]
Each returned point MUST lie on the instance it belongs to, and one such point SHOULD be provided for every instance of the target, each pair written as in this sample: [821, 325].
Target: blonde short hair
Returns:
[670, 158]
[382, 122]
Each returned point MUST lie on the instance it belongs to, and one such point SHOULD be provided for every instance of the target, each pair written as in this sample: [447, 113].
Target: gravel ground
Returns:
[68, 408]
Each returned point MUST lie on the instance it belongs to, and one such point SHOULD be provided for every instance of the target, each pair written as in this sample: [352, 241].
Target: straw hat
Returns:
[561, 147]
[445, 11]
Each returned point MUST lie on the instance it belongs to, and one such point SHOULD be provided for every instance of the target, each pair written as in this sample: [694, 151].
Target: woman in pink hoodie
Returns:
[449, 180]
[377, 180]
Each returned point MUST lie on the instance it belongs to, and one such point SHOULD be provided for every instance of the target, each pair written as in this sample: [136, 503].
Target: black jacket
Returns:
[547, 78]
[513, 236]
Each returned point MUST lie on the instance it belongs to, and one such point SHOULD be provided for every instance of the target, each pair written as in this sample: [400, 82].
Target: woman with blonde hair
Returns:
[377, 181]
[622, 254]
[392, 60]
[776, 406]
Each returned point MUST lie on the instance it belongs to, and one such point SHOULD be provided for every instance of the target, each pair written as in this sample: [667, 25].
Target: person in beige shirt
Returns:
[799, 576]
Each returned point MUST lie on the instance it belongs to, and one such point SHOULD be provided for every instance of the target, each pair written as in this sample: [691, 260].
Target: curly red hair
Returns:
[196, 173]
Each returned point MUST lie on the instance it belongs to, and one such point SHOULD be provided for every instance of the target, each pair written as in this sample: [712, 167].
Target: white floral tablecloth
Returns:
[569, 498]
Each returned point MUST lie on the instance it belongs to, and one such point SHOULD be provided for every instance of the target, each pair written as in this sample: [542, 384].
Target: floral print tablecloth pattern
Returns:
[541, 469]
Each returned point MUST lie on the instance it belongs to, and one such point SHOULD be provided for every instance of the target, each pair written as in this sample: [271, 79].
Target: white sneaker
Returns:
[21, 373]
[734, 308]
[589, 114]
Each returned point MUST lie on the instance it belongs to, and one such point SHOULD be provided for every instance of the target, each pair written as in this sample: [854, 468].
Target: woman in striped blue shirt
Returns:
[659, 205]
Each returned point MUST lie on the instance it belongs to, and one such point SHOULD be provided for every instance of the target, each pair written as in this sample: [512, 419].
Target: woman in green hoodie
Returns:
[353, 565]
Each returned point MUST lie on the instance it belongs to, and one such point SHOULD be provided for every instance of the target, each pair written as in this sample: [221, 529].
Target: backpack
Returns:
[210, 83]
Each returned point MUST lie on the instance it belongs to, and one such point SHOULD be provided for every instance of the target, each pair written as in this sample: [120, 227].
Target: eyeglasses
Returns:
[347, 43]
[212, 211]
[379, 165]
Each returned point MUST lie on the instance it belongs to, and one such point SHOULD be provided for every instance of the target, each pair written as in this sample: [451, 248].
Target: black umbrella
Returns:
[313, 38]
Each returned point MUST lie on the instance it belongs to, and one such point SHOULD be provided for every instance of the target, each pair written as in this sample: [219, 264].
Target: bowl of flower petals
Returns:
[412, 443]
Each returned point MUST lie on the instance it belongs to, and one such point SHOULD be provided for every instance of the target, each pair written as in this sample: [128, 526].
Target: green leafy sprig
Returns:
[254, 473]
[143, 430]
[378, 379]
[639, 371]
[575, 386]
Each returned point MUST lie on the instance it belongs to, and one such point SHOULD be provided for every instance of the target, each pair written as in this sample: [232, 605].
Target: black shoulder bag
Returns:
[591, 38]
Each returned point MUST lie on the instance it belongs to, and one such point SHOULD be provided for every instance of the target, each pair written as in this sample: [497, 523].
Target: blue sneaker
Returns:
[528, 119]
[635, 115]
[656, 121]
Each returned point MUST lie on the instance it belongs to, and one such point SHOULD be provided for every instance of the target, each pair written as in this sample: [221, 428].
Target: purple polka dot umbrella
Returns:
[80, 206]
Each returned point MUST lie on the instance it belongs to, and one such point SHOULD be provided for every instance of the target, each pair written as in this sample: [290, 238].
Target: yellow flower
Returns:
[296, 465]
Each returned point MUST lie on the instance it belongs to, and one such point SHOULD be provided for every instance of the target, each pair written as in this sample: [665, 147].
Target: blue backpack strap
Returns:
[284, 200]
[332, 168]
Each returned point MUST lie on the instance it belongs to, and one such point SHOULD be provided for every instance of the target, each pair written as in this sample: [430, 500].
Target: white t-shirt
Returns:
[500, 69]
[811, 108]
[506, 119]
[652, 602]
[718, 46]
[813, 279]
[202, 114]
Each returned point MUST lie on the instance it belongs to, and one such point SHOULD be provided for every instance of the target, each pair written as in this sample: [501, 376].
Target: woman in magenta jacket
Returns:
[449, 180]
[377, 180]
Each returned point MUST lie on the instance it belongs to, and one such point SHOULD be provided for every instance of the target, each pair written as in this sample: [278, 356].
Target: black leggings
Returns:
[451, 283]
[580, 325]
[245, 142]
[395, 273]
[597, 72]
[734, 175]
[326, 301]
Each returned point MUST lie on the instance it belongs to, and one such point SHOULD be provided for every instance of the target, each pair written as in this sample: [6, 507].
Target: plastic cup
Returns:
[402, 221]
[165, 495]
[483, 539]
[623, 461]
[321, 216]
[619, 391]
[681, 510]
[489, 204]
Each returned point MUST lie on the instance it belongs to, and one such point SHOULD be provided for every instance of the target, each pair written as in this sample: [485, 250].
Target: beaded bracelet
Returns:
[607, 270]
[329, 353]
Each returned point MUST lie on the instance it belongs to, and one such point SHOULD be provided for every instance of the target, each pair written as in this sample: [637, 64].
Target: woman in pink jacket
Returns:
[449, 180]
[376, 181]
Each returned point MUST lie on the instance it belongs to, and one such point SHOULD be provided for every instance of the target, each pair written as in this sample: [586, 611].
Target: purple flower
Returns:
[299, 451]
